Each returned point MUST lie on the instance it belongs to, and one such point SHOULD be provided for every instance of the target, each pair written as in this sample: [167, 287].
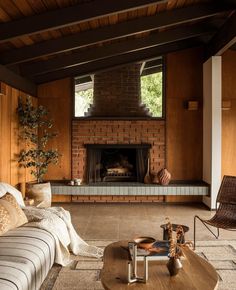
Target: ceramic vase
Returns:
[164, 176]
[174, 265]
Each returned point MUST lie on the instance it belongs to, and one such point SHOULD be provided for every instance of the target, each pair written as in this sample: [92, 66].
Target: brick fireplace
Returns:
[117, 116]
[117, 132]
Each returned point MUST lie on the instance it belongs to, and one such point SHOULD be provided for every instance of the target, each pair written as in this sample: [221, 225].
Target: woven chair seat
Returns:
[221, 222]
[225, 216]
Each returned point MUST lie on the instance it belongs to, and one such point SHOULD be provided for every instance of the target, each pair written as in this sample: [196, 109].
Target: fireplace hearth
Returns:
[116, 163]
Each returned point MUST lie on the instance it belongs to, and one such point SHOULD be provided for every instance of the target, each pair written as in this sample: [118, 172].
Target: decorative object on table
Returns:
[147, 177]
[152, 249]
[132, 266]
[174, 264]
[144, 242]
[35, 132]
[180, 232]
[164, 176]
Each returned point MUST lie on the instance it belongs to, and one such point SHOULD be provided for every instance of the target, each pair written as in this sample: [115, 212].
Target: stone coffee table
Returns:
[196, 274]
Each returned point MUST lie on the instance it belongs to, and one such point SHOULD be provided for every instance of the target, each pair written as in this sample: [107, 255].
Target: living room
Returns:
[174, 161]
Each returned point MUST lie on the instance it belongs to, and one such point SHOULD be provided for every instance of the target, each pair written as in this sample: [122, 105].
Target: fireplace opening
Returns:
[117, 163]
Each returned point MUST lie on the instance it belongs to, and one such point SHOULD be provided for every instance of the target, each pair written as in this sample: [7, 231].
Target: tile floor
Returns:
[126, 221]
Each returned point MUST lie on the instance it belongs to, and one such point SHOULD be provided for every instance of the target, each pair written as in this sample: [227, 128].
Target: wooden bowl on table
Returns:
[144, 242]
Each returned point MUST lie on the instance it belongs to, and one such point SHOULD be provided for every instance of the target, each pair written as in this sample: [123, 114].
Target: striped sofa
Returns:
[26, 256]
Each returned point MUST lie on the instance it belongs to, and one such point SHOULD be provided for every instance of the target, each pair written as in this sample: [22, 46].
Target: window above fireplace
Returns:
[132, 91]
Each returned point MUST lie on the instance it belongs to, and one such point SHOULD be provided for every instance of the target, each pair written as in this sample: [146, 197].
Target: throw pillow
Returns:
[11, 214]
[5, 187]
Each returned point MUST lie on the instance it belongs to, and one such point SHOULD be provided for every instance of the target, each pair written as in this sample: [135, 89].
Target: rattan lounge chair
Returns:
[225, 216]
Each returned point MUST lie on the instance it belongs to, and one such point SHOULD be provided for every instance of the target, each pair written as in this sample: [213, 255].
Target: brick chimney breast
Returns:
[117, 93]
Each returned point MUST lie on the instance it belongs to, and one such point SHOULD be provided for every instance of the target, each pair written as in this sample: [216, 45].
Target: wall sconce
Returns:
[226, 105]
[192, 105]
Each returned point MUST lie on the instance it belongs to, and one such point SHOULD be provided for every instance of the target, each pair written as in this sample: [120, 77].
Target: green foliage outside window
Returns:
[151, 93]
[151, 96]
[83, 100]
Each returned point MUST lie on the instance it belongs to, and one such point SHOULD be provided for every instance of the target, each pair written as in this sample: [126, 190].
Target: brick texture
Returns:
[115, 198]
[117, 132]
[117, 93]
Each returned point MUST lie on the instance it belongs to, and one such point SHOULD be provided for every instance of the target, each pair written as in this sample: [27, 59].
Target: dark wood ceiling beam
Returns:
[224, 38]
[67, 16]
[155, 39]
[16, 81]
[111, 62]
[77, 40]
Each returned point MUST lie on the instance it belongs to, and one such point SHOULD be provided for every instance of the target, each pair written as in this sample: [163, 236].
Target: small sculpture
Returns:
[132, 266]
[174, 264]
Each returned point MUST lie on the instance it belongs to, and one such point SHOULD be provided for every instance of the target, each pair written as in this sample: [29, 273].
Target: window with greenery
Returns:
[152, 93]
[151, 90]
[83, 97]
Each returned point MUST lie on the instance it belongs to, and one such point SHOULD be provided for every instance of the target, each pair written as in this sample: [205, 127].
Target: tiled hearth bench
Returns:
[130, 192]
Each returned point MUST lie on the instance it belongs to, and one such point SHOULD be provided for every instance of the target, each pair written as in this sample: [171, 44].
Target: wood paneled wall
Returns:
[10, 146]
[184, 127]
[229, 116]
[57, 98]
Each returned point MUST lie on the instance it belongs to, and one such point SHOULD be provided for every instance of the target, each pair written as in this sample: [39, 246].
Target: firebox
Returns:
[117, 162]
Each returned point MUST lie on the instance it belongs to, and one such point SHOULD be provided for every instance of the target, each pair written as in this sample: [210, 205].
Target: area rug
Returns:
[84, 273]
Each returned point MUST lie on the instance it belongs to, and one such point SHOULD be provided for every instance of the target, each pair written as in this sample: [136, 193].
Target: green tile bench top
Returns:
[111, 188]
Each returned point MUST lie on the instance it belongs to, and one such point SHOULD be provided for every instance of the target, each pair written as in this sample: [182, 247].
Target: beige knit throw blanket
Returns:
[57, 221]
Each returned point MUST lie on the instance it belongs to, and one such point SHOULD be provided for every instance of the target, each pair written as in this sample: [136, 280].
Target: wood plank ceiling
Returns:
[45, 40]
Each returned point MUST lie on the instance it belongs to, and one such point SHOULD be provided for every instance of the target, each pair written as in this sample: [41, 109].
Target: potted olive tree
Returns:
[35, 130]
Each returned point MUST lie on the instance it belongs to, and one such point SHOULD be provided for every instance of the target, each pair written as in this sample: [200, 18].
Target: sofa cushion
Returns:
[11, 215]
[26, 256]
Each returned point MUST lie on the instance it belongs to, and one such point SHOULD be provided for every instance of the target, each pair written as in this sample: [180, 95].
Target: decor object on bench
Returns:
[225, 216]
[35, 130]
[147, 177]
[164, 176]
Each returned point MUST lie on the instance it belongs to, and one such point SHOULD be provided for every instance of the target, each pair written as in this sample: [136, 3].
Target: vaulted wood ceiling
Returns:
[45, 40]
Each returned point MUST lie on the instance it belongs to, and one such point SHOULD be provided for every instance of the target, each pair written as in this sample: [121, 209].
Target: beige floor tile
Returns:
[125, 221]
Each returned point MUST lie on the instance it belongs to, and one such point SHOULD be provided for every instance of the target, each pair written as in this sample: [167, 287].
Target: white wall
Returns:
[212, 98]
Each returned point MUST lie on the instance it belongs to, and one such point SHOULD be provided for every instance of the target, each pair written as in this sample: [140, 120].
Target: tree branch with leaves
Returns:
[35, 130]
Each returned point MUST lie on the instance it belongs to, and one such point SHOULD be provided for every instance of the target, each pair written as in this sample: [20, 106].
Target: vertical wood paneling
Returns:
[229, 116]
[183, 127]
[5, 171]
[14, 144]
[57, 98]
[10, 146]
